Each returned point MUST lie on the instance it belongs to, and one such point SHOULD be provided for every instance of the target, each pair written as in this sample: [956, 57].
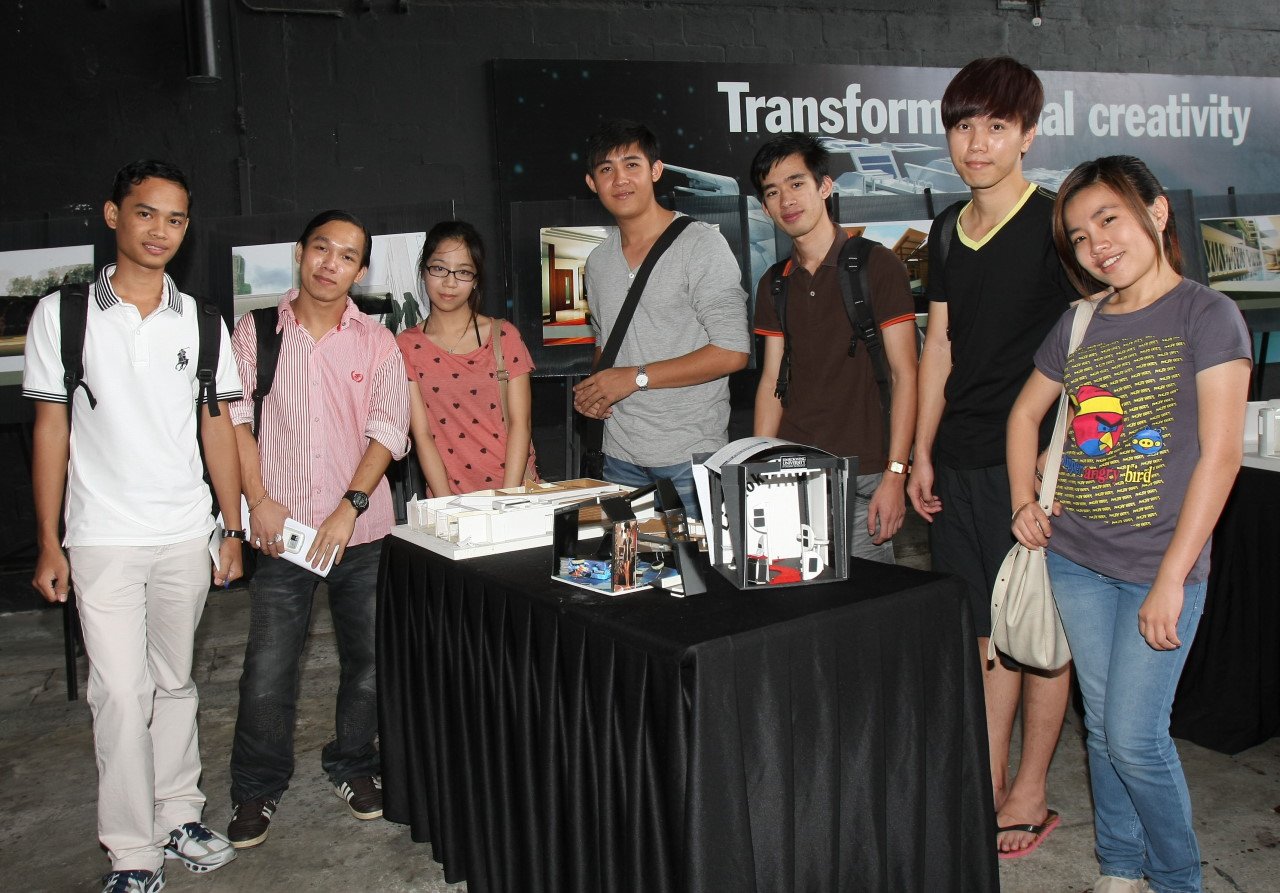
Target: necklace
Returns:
[458, 340]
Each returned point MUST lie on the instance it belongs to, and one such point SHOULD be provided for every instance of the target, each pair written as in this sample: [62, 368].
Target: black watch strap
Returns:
[358, 499]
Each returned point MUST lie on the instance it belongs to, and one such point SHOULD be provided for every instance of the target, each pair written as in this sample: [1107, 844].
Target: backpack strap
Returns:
[778, 289]
[73, 316]
[265, 322]
[495, 338]
[947, 232]
[210, 321]
[950, 218]
[855, 288]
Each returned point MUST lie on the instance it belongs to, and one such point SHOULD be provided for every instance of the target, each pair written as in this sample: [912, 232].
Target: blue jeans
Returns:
[617, 471]
[1142, 810]
[280, 614]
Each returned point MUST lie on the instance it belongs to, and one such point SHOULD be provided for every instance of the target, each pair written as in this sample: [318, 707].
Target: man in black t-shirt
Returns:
[990, 306]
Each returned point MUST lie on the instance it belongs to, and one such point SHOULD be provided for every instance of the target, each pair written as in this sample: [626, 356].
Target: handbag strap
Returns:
[1053, 460]
[495, 338]
[610, 353]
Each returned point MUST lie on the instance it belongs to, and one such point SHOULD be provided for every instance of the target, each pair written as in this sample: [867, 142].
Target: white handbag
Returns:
[1024, 617]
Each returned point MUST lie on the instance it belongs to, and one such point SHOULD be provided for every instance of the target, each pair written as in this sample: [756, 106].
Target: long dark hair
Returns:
[469, 236]
[1132, 181]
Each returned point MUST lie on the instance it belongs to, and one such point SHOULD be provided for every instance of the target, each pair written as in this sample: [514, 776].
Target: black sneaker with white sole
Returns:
[363, 796]
[250, 821]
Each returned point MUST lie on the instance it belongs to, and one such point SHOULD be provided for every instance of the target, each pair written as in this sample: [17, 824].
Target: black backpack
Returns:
[74, 317]
[265, 322]
[854, 288]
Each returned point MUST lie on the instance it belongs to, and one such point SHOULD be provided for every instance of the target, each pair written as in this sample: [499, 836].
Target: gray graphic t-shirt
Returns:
[1134, 439]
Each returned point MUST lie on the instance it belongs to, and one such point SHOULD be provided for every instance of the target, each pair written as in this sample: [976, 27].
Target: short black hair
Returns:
[469, 236]
[135, 172]
[344, 217]
[814, 155]
[997, 87]
[616, 133]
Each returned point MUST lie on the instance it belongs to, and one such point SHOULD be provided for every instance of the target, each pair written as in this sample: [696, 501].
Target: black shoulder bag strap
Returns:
[778, 289]
[611, 347]
[73, 316]
[265, 322]
[592, 430]
[855, 288]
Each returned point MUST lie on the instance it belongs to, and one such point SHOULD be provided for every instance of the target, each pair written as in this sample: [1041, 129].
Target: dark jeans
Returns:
[282, 595]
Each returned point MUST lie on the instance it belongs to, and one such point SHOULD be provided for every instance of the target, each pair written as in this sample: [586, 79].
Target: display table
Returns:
[546, 739]
[1229, 696]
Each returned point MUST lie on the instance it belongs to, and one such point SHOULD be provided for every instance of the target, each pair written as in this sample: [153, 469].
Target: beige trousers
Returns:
[139, 608]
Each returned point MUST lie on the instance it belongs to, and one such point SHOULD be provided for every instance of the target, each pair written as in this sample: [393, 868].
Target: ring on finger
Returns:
[277, 538]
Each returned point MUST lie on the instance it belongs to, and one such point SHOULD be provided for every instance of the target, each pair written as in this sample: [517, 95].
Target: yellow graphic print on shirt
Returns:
[1122, 396]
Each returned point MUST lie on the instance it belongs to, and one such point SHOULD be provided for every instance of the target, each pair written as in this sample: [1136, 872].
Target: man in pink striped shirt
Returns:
[336, 415]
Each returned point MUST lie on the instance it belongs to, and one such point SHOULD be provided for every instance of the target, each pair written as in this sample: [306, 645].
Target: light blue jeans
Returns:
[1142, 810]
[619, 471]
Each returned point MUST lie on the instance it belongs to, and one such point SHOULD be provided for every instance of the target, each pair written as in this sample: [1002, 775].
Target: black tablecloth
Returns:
[1229, 695]
[550, 740]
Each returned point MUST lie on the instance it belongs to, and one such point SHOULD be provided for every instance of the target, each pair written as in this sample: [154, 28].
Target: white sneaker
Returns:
[199, 848]
[136, 881]
[1111, 884]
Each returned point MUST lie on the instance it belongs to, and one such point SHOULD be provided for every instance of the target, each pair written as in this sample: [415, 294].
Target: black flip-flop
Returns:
[1041, 832]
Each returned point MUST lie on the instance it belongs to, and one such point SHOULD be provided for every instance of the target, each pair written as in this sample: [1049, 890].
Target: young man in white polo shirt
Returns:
[138, 520]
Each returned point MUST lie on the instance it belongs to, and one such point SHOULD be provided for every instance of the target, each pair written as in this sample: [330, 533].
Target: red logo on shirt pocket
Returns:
[357, 377]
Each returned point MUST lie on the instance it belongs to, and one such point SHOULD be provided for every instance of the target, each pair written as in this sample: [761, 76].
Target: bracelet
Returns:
[261, 499]
[233, 534]
[1020, 508]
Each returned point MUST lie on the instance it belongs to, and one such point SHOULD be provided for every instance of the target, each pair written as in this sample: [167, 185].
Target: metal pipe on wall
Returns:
[202, 42]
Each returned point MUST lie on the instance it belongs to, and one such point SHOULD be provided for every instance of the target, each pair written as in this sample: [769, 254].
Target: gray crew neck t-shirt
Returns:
[693, 298]
[1134, 442]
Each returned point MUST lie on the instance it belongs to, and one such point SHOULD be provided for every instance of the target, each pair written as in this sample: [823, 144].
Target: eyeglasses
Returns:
[444, 272]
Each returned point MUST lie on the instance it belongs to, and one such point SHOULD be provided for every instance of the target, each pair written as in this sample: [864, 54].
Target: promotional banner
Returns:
[889, 157]
[1200, 132]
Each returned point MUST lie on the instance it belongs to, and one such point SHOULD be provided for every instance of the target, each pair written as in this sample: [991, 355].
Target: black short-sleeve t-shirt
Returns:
[1003, 293]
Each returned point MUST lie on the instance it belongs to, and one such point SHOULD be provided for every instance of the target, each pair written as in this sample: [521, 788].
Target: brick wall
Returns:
[373, 107]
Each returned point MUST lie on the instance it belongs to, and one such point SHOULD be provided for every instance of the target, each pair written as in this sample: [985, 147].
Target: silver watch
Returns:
[642, 378]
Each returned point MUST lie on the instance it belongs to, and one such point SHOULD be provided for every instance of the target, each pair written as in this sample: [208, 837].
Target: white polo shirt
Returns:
[135, 475]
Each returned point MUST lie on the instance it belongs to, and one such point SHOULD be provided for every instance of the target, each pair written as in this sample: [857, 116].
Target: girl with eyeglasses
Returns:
[457, 408]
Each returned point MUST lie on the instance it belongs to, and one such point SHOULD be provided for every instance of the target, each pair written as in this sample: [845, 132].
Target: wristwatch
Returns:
[642, 378]
[897, 467]
[359, 501]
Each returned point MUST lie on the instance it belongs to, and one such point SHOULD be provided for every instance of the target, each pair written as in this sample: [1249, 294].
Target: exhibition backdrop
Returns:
[889, 162]
[1197, 132]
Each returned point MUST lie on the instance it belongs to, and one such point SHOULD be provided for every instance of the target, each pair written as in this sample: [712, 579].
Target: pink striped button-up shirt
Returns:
[330, 398]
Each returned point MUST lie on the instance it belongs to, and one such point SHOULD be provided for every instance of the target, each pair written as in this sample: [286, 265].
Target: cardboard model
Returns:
[614, 565]
[777, 512]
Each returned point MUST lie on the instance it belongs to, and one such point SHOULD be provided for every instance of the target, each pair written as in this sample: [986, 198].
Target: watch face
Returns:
[359, 500]
[642, 379]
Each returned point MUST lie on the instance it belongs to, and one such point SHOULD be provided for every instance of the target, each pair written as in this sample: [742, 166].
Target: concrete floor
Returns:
[48, 784]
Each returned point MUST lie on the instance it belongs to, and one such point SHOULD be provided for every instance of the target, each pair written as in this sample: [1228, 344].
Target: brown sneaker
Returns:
[249, 822]
[363, 796]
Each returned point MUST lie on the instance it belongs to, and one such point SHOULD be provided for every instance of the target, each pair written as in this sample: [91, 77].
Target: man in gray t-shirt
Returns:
[667, 395]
